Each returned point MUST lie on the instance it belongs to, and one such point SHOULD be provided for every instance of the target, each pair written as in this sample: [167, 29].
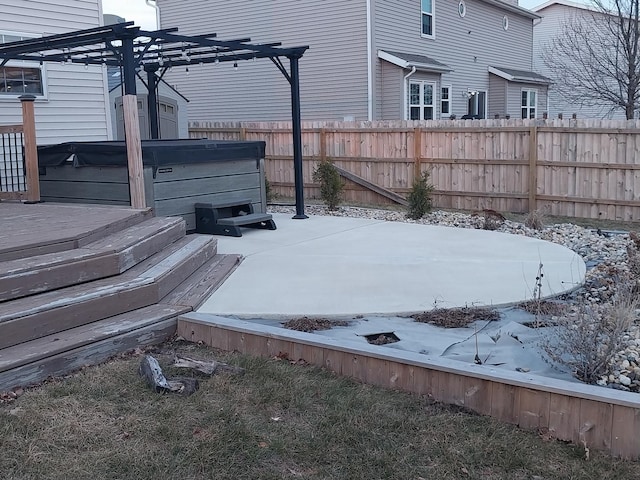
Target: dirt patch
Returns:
[382, 338]
[306, 324]
[456, 317]
[543, 307]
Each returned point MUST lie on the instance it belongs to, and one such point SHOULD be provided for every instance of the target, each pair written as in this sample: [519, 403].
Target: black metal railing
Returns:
[12, 159]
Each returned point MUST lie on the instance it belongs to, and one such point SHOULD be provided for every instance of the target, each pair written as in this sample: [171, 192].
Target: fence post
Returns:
[417, 152]
[30, 148]
[533, 167]
[134, 151]
[243, 134]
[323, 144]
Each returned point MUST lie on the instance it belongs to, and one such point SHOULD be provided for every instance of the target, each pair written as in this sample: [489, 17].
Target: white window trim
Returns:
[462, 8]
[27, 64]
[448, 87]
[529, 106]
[433, 20]
[421, 105]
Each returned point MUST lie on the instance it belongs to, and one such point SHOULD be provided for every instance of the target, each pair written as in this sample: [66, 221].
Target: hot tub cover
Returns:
[155, 153]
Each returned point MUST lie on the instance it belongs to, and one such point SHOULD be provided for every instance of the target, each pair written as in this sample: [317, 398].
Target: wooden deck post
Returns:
[533, 167]
[30, 148]
[134, 151]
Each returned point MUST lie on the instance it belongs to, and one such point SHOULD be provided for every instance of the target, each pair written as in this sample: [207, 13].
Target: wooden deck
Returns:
[80, 283]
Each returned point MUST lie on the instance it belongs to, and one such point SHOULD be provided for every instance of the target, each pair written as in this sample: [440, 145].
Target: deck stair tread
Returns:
[199, 286]
[102, 258]
[76, 226]
[64, 341]
[31, 317]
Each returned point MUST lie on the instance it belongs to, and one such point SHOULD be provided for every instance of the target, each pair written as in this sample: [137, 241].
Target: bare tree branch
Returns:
[595, 60]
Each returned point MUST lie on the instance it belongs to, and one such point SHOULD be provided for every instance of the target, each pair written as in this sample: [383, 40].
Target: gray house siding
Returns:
[333, 72]
[390, 101]
[469, 44]
[553, 18]
[497, 103]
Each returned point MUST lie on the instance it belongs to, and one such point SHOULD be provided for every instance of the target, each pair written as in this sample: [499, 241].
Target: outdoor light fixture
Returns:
[235, 66]
[469, 93]
[187, 71]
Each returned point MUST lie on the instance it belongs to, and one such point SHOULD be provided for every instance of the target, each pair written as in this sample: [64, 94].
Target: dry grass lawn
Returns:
[277, 421]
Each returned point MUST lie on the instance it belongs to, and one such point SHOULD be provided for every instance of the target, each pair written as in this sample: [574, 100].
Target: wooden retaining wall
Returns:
[599, 418]
[576, 168]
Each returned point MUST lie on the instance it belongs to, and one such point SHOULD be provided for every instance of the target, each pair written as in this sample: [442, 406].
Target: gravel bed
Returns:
[605, 254]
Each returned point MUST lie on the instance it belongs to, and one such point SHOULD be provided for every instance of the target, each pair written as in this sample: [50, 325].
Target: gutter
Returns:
[369, 64]
[153, 4]
[406, 83]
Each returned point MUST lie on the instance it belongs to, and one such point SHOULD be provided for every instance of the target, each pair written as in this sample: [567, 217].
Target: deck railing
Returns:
[19, 157]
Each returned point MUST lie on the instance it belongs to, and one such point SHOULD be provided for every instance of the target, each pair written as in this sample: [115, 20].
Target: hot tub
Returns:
[177, 174]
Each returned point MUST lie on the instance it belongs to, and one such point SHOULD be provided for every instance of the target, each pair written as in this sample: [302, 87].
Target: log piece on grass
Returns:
[151, 371]
[207, 367]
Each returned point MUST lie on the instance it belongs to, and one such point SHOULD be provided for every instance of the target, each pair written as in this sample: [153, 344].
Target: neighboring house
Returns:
[71, 100]
[172, 105]
[368, 59]
[555, 15]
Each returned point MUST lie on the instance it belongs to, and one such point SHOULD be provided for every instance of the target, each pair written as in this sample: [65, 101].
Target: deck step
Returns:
[196, 289]
[102, 258]
[76, 226]
[32, 362]
[147, 283]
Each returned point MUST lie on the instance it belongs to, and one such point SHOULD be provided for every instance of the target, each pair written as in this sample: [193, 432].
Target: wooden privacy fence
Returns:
[576, 168]
[19, 178]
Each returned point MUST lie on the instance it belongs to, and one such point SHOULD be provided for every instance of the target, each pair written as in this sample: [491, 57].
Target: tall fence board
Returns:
[576, 168]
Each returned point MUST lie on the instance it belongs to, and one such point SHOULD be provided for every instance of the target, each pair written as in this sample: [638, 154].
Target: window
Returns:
[18, 78]
[445, 100]
[477, 105]
[421, 100]
[427, 18]
[462, 8]
[529, 103]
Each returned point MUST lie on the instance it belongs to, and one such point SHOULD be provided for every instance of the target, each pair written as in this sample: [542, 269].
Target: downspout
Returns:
[154, 5]
[404, 98]
[369, 64]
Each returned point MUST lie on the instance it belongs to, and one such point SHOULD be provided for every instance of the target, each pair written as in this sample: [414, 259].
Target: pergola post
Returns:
[132, 126]
[297, 137]
[152, 100]
[30, 148]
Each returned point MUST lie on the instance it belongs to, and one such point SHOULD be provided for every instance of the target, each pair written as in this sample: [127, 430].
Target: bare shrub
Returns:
[536, 219]
[587, 342]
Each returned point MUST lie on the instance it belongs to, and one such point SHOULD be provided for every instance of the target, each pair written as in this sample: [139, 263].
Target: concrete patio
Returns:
[345, 267]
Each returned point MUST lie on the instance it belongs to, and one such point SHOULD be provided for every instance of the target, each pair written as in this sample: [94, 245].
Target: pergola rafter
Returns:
[128, 47]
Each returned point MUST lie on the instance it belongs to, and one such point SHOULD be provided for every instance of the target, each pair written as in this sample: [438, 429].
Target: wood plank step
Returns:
[77, 225]
[34, 350]
[196, 289]
[139, 242]
[33, 317]
[91, 354]
[106, 257]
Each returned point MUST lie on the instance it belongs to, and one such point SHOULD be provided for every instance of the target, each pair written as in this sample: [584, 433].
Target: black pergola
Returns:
[128, 47]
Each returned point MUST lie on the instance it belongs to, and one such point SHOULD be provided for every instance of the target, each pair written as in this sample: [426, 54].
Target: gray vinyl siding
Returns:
[333, 72]
[390, 106]
[497, 102]
[76, 104]
[468, 45]
[553, 19]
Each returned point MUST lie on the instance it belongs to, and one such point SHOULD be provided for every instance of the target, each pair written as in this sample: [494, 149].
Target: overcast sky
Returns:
[145, 16]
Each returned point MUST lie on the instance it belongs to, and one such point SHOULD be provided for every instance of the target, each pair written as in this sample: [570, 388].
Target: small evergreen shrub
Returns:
[331, 185]
[270, 194]
[420, 197]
